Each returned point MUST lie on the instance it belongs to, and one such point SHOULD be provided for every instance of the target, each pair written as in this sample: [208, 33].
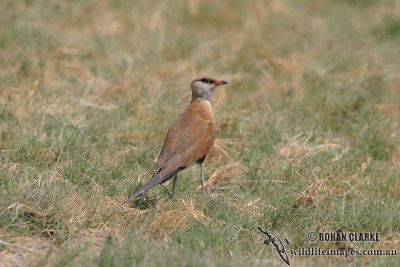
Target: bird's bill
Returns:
[219, 82]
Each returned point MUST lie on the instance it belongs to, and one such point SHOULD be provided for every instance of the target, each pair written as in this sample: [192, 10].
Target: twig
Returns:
[15, 246]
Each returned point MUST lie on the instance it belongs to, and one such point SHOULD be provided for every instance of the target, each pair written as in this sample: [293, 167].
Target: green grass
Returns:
[307, 130]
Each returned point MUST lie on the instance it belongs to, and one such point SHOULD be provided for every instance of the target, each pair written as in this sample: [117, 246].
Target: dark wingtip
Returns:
[263, 230]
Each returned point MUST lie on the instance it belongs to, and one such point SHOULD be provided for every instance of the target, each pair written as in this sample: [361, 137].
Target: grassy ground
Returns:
[307, 139]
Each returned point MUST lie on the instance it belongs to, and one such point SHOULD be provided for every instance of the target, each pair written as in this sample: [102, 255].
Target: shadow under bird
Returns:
[188, 140]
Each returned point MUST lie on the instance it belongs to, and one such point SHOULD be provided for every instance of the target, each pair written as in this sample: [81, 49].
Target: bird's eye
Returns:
[204, 80]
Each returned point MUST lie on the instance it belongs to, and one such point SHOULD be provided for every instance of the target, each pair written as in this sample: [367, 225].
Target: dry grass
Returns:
[307, 131]
[169, 220]
[226, 174]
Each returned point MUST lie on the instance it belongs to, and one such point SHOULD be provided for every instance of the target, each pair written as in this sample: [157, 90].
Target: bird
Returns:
[188, 140]
[273, 240]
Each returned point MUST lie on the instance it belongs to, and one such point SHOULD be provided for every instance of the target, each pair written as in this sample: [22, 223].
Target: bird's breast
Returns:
[203, 109]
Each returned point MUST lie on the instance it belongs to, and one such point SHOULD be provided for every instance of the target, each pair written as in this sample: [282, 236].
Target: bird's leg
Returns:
[141, 200]
[202, 176]
[173, 185]
[169, 194]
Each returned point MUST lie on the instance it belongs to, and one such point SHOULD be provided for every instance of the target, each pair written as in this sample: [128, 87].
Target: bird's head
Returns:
[204, 87]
